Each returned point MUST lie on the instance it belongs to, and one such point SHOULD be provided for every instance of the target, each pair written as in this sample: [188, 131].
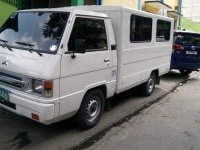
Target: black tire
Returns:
[185, 72]
[149, 86]
[91, 109]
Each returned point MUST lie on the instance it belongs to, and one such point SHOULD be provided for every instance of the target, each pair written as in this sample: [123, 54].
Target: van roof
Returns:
[98, 7]
[89, 10]
[67, 9]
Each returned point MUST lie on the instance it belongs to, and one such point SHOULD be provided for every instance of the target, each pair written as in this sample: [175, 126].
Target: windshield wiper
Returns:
[6, 45]
[30, 46]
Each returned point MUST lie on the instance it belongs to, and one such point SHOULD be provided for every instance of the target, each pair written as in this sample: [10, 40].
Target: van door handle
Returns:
[106, 59]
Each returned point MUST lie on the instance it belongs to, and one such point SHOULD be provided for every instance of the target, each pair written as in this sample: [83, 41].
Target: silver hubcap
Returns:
[151, 83]
[93, 109]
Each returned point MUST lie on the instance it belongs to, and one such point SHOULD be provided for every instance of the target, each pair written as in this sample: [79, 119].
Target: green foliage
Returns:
[11, 2]
[190, 25]
[5, 11]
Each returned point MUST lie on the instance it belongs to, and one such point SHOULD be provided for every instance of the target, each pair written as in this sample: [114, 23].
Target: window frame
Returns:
[169, 30]
[144, 41]
[90, 17]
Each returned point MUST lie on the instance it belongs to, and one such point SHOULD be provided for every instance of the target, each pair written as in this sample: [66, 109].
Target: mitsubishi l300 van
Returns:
[64, 62]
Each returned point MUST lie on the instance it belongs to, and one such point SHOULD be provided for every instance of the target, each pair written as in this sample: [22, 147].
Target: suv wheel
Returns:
[185, 72]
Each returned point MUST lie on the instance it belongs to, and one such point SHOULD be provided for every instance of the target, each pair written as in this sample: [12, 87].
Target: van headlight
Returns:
[43, 87]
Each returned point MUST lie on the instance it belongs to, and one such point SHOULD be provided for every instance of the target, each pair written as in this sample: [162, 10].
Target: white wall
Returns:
[191, 9]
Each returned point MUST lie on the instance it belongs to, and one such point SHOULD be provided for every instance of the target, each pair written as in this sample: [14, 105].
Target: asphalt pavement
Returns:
[171, 124]
[17, 132]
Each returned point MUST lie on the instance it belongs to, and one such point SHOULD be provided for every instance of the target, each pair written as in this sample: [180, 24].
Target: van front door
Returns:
[85, 70]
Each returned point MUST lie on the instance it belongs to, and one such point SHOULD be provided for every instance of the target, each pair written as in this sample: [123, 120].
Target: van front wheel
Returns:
[91, 109]
[149, 86]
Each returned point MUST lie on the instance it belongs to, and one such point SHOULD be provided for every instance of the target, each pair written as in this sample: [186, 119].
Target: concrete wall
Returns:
[127, 3]
[191, 10]
[90, 2]
[38, 4]
[149, 8]
[172, 3]
[62, 3]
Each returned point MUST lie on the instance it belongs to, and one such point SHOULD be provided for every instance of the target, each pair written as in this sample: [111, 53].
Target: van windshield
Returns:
[41, 31]
[187, 39]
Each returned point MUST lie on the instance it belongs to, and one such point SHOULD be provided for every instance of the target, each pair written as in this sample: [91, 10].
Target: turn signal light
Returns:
[48, 85]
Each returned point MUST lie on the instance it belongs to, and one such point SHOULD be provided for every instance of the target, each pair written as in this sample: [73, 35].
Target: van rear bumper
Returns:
[26, 108]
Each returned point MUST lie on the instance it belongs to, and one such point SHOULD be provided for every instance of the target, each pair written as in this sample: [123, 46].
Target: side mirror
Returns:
[80, 46]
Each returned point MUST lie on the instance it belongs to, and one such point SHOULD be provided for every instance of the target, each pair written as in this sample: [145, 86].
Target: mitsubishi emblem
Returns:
[5, 63]
[193, 48]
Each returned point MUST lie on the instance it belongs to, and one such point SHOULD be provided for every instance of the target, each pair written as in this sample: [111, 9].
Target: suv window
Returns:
[140, 29]
[92, 31]
[163, 31]
[187, 39]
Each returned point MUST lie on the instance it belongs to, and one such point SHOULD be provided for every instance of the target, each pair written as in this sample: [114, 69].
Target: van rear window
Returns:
[163, 31]
[140, 29]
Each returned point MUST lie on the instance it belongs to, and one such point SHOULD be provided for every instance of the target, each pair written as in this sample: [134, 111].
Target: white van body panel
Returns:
[84, 72]
[136, 61]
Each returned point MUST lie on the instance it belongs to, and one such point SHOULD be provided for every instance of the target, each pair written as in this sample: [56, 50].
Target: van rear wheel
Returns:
[185, 72]
[91, 109]
[149, 86]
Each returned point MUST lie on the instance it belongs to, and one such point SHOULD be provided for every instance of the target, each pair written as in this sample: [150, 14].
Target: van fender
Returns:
[106, 87]
[95, 85]
[91, 87]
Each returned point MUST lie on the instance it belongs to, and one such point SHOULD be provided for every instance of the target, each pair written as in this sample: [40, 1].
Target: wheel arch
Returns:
[102, 87]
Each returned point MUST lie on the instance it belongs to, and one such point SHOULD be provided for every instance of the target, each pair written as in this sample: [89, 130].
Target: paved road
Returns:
[17, 132]
[171, 124]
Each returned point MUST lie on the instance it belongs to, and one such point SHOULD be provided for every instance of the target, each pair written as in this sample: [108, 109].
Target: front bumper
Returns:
[26, 107]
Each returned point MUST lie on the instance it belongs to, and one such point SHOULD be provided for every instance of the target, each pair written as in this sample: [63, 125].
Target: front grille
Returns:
[9, 104]
[10, 80]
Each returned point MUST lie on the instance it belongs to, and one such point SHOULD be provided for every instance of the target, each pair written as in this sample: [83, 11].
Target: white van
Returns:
[64, 62]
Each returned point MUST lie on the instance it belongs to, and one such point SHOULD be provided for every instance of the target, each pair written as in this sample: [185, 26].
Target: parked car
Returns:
[186, 52]
[64, 62]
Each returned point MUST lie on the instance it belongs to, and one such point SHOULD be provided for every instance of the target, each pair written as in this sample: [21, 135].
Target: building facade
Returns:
[162, 7]
[191, 10]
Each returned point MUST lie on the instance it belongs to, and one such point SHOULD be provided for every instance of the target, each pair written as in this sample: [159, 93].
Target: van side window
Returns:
[92, 31]
[140, 29]
[163, 31]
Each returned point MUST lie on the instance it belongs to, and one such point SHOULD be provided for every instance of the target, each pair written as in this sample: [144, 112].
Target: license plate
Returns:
[4, 95]
[191, 52]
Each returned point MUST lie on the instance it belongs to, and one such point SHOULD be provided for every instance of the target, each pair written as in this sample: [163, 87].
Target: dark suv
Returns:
[186, 52]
